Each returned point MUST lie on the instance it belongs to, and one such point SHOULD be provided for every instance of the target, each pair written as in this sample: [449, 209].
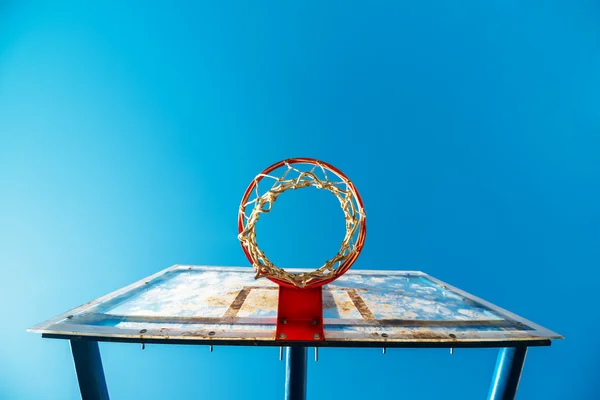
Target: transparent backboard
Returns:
[226, 305]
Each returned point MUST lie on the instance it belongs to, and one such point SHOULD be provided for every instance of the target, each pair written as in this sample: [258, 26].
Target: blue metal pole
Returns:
[507, 373]
[90, 373]
[295, 373]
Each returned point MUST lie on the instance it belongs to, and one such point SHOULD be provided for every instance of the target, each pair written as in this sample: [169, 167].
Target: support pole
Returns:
[295, 373]
[88, 366]
[507, 373]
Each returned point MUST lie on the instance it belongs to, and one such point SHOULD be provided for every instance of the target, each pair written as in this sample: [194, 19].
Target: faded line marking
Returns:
[360, 304]
[237, 303]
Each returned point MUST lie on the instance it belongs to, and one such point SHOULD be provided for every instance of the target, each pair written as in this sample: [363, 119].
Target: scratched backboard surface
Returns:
[225, 305]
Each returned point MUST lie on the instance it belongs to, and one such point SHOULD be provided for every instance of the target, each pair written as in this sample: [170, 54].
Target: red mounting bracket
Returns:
[300, 314]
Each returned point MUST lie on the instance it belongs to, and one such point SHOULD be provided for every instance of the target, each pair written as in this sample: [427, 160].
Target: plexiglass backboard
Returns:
[226, 305]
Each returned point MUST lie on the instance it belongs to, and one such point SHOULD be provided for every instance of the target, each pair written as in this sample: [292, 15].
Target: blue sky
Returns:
[128, 133]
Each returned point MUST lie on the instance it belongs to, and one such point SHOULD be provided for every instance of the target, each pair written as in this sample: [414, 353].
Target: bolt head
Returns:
[282, 336]
[317, 336]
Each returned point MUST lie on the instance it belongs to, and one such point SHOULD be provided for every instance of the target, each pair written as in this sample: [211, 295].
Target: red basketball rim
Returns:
[361, 234]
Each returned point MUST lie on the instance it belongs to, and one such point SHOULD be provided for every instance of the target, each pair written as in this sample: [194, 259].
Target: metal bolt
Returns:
[384, 335]
[313, 322]
[317, 336]
[143, 331]
[211, 333]
[452, 335]
[284, 321]
[282, 336]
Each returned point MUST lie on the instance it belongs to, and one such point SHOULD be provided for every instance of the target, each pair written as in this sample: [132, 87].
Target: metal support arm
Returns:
[507, 373]
[90, 373]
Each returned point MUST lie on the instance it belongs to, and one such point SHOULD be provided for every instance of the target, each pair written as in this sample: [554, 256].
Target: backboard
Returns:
[227, 306]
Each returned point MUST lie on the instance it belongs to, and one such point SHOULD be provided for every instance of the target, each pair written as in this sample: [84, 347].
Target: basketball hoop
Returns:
[297, 173]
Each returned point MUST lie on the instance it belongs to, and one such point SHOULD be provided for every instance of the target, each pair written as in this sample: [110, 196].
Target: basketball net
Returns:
[301, 173]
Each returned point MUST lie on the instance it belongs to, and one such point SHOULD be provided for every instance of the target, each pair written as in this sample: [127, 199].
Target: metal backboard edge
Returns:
[267, 338]
[326, 343]
[538, 329]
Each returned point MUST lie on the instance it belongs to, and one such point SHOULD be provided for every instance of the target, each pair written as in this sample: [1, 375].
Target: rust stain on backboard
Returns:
[237, 303]
[252, 299]
[217, 301]
[360, 304]
[260, 301]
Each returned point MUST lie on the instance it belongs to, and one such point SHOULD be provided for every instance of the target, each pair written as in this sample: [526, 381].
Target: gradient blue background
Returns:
[128, 134]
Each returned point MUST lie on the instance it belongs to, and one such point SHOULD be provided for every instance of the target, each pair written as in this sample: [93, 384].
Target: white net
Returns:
[296, 174]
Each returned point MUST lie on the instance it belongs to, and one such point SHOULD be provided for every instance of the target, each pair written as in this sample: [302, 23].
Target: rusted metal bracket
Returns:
[300, 314]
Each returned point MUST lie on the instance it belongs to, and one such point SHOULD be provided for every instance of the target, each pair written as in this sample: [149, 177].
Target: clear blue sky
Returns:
[128, 133]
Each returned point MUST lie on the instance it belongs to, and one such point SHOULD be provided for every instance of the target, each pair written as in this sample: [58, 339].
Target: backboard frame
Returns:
[535, 335]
